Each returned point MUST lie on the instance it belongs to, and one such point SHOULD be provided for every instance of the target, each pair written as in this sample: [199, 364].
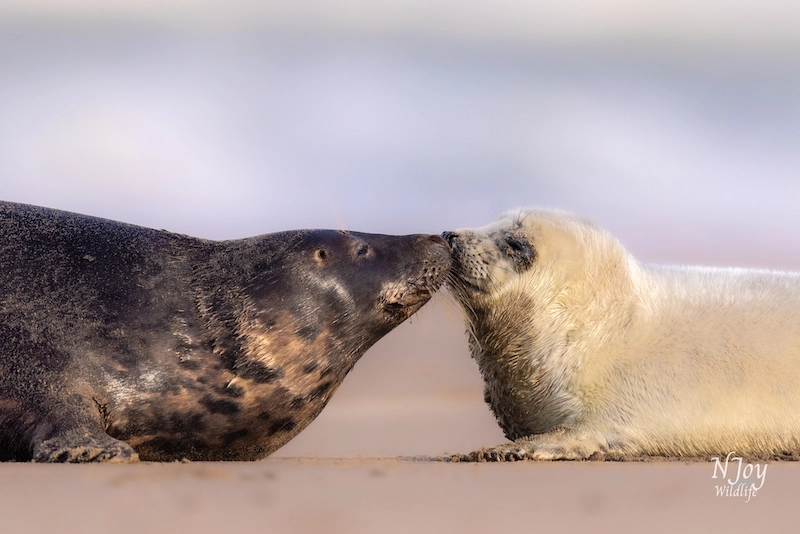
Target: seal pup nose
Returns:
[449, 237]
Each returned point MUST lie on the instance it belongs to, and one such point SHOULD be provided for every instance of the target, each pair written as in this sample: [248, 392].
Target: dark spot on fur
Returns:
[230, 437]
[297, 403]
[222, 406]
[258, 372]
[320, 390]
[310, 367]
[202, 379]
[268, 321]
[284, 424]
[190, 364]
[264, 416]
[231, 390]
[193, 423]
[309, 332]
[329, 370]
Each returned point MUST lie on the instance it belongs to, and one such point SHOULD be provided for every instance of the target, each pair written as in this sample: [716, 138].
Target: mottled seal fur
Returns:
[118, 341]
[585, 351]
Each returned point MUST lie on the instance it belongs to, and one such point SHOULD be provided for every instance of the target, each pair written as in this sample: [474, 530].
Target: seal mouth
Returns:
[464, 289]
[400, 300]
[407, 307]
[457, 282]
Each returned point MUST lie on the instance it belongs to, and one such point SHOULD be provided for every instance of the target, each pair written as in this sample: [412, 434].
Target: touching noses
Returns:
[450, 237]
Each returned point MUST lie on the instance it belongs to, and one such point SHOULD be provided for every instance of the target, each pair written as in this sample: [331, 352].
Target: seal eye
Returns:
[321, 254]
[515, 245]
[362, 250]
[521, 251]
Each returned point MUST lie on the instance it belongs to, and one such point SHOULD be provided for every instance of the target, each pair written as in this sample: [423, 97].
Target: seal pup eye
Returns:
[521, 251]
[515, 245]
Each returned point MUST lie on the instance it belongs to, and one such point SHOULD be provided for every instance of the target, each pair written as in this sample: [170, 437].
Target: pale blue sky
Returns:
[682, 140]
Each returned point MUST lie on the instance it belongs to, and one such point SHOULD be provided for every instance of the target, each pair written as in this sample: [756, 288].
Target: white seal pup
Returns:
[584, 350]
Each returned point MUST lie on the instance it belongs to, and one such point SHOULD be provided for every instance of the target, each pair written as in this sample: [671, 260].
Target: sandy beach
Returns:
[386, 495]
[362, 467]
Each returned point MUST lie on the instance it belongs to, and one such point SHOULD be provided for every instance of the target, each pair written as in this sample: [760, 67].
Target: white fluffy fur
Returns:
[587, 350]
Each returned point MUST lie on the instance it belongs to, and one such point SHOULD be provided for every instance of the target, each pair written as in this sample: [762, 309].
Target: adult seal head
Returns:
[585, 351]
[118, 341]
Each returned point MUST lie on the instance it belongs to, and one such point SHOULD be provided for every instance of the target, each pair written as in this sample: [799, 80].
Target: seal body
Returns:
[584, 350]
[118, 341]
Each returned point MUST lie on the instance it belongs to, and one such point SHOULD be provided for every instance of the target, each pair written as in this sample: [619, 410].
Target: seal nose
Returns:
[450, 237]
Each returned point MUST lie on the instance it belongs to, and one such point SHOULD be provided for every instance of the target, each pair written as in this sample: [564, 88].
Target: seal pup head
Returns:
[533, 286]
[530, 251]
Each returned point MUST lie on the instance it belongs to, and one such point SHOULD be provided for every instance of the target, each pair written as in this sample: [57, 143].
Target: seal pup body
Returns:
[118, 341]
[584, 350]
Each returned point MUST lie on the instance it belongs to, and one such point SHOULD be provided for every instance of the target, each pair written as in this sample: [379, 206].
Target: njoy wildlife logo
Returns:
[744, 482]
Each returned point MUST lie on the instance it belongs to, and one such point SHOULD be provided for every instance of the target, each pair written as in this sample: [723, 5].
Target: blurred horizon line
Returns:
[684, 28]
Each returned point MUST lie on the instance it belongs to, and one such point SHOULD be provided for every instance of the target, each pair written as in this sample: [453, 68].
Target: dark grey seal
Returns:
[118, 342]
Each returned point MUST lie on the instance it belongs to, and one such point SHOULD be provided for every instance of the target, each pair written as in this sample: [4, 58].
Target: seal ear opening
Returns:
[320, 255]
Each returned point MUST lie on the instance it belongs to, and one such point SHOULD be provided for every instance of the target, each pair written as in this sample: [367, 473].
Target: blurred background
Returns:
[674, 124]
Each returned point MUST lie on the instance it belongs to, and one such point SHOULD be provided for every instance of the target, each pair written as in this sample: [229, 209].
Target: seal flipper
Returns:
[81, 445]
[73, 432]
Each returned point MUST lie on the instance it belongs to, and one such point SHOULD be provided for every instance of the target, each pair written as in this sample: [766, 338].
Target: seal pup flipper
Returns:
[556, 445]
[73, 432]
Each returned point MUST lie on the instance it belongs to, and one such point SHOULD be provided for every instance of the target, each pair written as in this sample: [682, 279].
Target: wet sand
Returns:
[361, 467]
